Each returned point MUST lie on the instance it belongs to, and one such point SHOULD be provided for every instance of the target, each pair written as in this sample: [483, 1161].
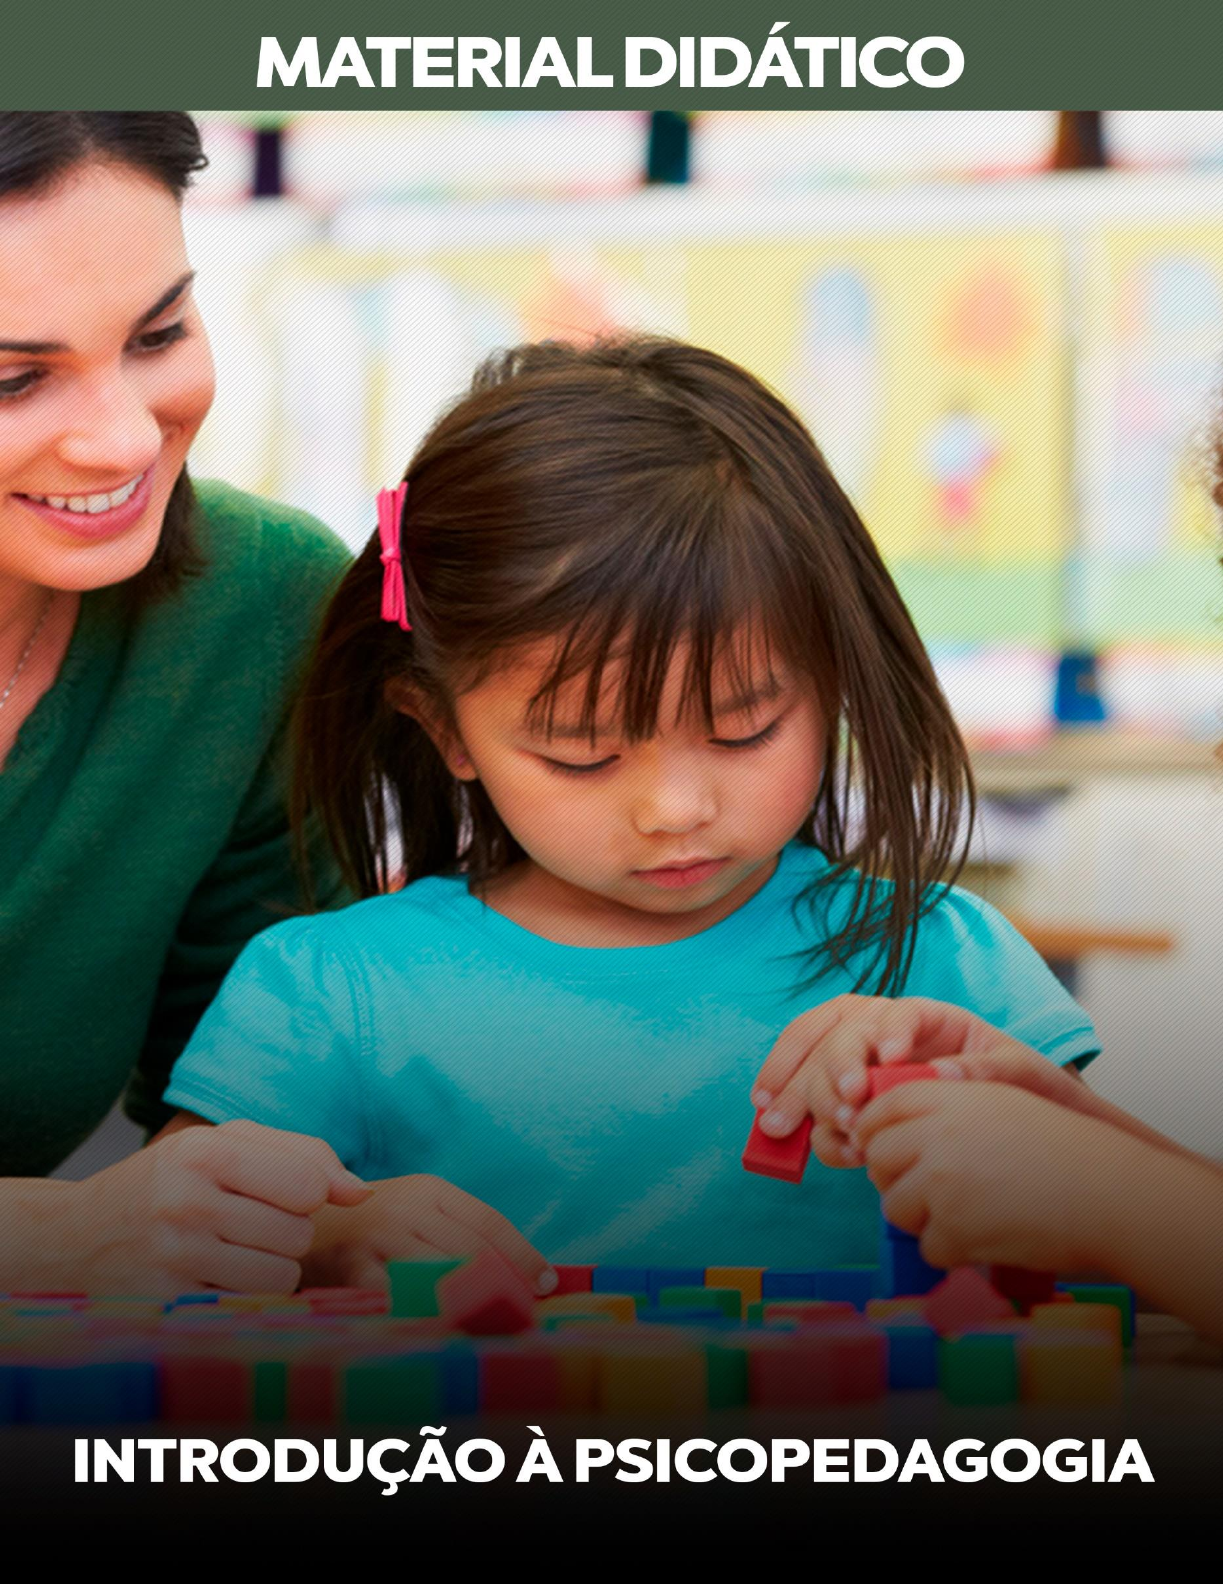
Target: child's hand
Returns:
[818, 1065]
[987, 1173]
[418, 1217]
[228, 1207]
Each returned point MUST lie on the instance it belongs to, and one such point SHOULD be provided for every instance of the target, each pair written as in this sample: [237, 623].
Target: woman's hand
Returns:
[225, 1207]
[987, 1173]
[418, 1217]
[818, 1066]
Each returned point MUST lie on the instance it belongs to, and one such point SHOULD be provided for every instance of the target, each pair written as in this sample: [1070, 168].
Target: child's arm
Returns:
[989, 1173]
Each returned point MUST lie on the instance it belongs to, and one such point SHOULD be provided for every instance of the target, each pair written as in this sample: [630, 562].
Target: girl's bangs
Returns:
[717, 586]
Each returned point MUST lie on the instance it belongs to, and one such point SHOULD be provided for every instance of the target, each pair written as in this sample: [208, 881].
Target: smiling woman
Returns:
[150, 640]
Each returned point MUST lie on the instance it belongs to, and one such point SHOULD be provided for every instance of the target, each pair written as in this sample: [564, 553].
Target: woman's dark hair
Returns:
[623, 498]
[38, 148]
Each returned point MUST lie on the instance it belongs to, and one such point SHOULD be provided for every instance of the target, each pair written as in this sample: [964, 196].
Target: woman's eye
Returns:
[565, 768]
[19, 384]
[159, 340]
[756, 740]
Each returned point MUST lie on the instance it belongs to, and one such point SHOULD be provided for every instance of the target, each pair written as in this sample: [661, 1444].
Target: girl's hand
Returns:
[987, 1173]
[419, 1217]
[224, 1207]
[818, 1065]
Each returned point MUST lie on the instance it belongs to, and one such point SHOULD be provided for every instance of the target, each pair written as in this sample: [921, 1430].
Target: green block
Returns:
[271, 1392]
[726, 1373]
[561, 1322]
[1104, 1293]
[414, 1286]
[401, 1391]
[755, 1313]
[728, 1299]
[978, 1369]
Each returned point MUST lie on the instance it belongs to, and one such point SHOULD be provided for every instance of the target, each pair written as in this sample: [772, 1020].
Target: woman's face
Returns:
[105, 375]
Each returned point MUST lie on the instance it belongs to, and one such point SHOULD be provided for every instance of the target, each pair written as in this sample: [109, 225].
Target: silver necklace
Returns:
[25, 654]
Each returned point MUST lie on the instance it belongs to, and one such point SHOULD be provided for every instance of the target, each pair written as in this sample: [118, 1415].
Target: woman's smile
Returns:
[96, 515]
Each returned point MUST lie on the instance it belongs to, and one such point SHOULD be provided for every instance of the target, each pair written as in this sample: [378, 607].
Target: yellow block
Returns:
[620, 1306]
[642, 1383]
[579, 1379]
[1079, 1317]
[883, 1309]
[745, 1277]
[1069, 1366]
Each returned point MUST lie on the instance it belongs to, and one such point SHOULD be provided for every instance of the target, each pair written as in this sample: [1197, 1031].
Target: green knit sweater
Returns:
[143, 832]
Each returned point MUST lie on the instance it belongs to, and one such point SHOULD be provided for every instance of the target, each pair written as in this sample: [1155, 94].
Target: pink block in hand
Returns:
[773, 1157]
[485, 1297]
[965, 1299]
[884, 1078]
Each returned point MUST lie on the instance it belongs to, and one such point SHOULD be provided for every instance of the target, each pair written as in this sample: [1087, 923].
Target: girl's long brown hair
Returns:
[623, 498]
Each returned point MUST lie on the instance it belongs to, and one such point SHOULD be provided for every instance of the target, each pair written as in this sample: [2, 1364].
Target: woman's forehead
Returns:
[88, 254]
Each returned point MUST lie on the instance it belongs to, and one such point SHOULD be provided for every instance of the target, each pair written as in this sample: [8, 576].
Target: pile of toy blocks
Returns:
[467, 1337]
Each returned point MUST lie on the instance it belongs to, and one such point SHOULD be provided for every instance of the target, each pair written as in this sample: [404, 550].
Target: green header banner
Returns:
[287, 55]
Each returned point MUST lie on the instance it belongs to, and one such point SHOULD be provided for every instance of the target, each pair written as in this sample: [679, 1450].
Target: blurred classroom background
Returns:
[1004, 329]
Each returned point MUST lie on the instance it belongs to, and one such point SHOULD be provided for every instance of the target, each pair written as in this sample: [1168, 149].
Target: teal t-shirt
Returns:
[599, 1098]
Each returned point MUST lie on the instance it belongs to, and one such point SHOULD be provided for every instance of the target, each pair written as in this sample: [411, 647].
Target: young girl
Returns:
[675, 784]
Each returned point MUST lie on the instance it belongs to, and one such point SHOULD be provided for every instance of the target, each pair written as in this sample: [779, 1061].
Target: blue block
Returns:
[460, 1378]
[857, 1287]
[894, 1232]
[93, 1394]
[10, 1381]
[787, 1284]
[912, 1357]
[624, 1279]
[193, 1298]
[905, 1272]
[681, 1276]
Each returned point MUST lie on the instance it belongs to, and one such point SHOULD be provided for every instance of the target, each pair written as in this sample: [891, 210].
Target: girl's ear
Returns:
[408, 700]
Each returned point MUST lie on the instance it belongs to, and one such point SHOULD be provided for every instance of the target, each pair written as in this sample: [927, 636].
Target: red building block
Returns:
[964, 1300]
[572, 1279]
[1023, 1287]
[520, 1381]
[205, 1391]
[785, 1158]
[884, 1078]
[810, 1369]
[311, 1394]
[486, 1297]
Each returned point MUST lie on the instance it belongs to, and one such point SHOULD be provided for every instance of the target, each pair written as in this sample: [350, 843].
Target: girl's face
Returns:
[673, 825]
[105, 375]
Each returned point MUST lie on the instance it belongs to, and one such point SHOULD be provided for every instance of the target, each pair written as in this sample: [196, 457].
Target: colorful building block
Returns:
[620, 1279]
[817, 1367]
[414, 1286]
[572, 1279]
[903, 1271]
[199, 1390]
[621, 1307]
[884, 1311]
[787, 1284]
[1071, 1367]
[486, 1297]
[519, 1380]
[726, 1375]
[89, 1394]
[964, 1300]
[979, 1368]
[673, 1276]
[855, 1284]
[912, 1355]
[653, 1383]
[1122, 1298]
[809, 1312]
[312, 1392]
[784, 1158]
[745, 1277]
[728, 1301]
[393, 1391]
[1104, 1318]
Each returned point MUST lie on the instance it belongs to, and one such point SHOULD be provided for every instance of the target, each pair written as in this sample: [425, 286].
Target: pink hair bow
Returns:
[390, 519]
